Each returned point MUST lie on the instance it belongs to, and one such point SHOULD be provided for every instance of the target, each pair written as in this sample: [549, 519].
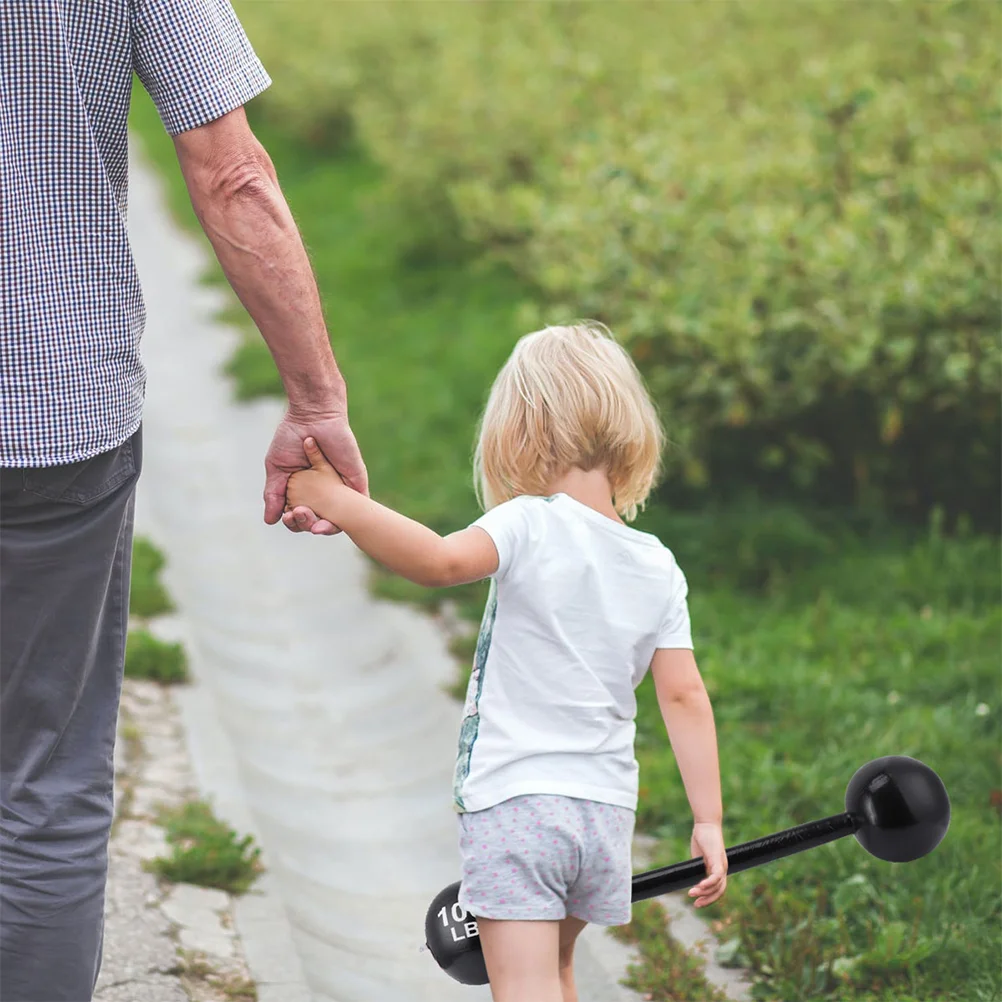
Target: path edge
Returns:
[260, 917]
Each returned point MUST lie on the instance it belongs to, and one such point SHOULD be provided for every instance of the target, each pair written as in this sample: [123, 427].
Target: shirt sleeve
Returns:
[506, 524]
[194, 59]
[676, 631]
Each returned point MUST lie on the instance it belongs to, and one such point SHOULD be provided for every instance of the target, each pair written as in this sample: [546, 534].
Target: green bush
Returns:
[812, 287]
[153, 659]
[789, 214]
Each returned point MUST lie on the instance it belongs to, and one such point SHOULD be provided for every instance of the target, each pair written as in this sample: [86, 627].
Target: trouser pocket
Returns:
[89, 480]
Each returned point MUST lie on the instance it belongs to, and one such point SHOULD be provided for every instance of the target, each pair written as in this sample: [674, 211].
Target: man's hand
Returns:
[286, 455]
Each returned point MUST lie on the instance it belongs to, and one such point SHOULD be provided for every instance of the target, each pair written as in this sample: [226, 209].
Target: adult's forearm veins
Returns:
[259, 247]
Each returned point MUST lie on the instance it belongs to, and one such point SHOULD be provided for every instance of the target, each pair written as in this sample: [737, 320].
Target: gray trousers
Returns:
[65, 562]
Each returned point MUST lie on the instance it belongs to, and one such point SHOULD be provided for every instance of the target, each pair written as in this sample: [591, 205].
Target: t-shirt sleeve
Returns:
[676, 631]
[194, 59]
[507, 525]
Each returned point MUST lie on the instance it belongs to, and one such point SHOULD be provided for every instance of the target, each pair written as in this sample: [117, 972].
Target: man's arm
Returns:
[235, 193]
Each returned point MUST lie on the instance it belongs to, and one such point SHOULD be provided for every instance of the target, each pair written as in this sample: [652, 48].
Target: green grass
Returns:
[206, 851]
[667, 971]
[149, 658]
[825, 639]
[148, 597]
[806, 688]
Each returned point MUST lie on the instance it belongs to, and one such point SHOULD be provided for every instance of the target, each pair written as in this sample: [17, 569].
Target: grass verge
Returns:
[668, 972]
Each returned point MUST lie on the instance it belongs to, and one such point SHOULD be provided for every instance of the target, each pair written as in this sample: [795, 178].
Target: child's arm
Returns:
[399, 543]
[688, 716]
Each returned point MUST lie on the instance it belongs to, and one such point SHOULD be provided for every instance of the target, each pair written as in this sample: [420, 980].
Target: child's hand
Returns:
[708, 842]
[304, 519]
[316, 488]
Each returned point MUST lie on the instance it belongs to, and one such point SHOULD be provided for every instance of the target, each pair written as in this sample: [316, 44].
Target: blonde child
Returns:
[580, 607]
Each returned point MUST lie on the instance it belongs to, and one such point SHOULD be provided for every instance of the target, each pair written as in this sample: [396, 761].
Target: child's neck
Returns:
[590, 487]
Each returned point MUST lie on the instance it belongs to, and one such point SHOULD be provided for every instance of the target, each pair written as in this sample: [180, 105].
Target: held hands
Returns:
[286, 455]
[317, 488]
[708, 842]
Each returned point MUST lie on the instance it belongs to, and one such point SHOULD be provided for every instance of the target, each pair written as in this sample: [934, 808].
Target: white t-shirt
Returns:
[576, 609]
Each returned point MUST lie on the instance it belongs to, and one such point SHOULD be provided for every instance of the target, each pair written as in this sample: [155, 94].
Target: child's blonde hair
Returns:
[568, 397]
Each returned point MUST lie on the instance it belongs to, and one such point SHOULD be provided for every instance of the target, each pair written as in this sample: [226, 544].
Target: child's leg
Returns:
[570, 929]
[522, 960]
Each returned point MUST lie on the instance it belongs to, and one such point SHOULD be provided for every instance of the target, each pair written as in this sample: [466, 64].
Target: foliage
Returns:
[206, 851]
[153, 659]
[788, 214]
[148, 597]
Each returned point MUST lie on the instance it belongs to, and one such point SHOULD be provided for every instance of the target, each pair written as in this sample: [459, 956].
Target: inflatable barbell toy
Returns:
[896, 807]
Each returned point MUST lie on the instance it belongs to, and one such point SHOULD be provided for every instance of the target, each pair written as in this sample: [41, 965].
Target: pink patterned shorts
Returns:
[542, 857]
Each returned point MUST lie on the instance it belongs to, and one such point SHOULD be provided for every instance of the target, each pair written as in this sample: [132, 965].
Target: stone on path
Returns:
[198, 912]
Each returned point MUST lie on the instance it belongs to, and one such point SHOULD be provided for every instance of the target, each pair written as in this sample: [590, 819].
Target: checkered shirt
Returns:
[71, 309]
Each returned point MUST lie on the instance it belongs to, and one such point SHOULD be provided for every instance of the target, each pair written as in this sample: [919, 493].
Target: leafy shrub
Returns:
[322, 58]
[153, 659]
[788, 214]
